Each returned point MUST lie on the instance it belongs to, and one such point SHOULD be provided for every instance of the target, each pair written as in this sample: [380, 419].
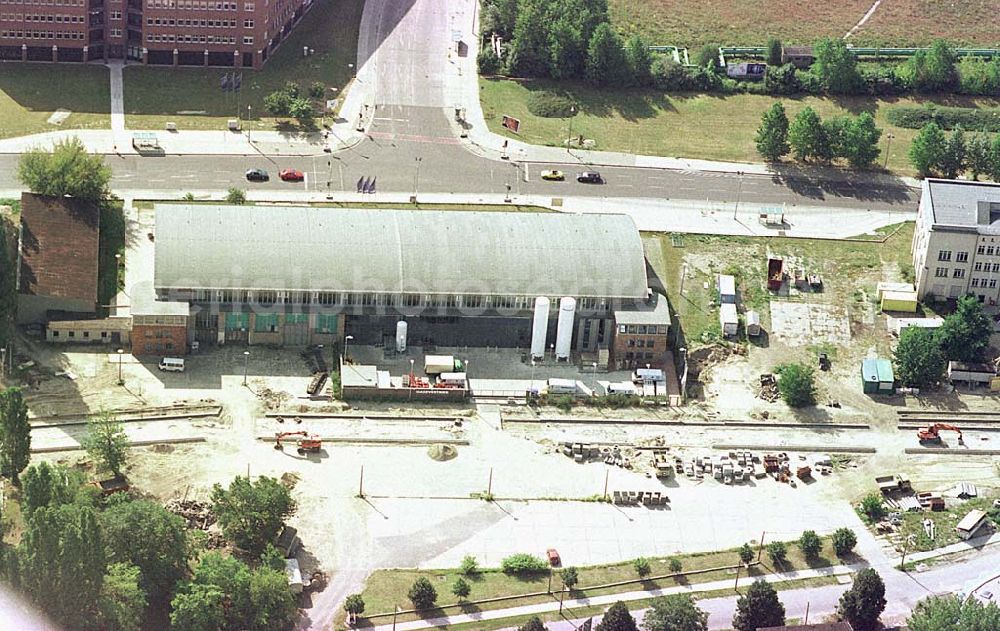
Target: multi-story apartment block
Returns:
[956, 245]
[232, 33]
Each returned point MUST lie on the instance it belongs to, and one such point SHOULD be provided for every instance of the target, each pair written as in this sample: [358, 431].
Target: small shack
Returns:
[877, 376]
[727, 289]
[971, 524]
[753, 323]
[729, 321]
[901, 297]
[798, 56]
[971, 373]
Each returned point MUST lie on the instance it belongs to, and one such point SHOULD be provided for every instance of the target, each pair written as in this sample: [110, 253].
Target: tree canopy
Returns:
[66, 169]
[676, 612]
[772, 135]
[617, 618]
[864, 602]
[106, 442]
[15, 434]
[151, 538]
[252, 513]
[918, 357]
[758, 607]
[836, 66]
[795, 384]
[965, 333]
[952, 613]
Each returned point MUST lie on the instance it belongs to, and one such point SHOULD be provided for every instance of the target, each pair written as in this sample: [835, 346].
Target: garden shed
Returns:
[877, 376]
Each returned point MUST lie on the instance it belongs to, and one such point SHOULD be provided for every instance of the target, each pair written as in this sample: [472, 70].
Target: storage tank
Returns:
[564, 330]
[401, 336]
[540, 327]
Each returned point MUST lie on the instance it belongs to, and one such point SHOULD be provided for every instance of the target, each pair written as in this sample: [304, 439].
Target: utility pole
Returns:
[888, 143]
[361, 482]
[489, 484]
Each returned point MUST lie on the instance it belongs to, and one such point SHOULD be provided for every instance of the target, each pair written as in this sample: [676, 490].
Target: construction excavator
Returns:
[933, 433]
[305, 443]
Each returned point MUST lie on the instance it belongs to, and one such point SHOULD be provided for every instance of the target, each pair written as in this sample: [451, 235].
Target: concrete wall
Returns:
[436, 395]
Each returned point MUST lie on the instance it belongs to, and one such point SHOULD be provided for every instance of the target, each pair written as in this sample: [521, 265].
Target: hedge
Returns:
[968, 118]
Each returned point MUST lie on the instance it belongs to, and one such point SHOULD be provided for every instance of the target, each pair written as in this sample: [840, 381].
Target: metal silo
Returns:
[564, 330]
[539, 327]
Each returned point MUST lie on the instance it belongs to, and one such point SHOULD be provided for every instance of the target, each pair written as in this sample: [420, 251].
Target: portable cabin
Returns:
[877, 376]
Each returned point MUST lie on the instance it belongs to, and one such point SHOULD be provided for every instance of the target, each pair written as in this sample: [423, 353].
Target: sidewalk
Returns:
[600, 601]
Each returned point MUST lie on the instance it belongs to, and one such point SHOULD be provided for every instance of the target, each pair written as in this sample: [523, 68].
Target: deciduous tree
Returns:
[927, 149]
[872, 507]
[617, 618]
[198, 608]
[122, 600]
[151, 538]
[67, 169]
[533, 624]
[758, 607]
[844, 541]
[810, 544]
[676, 612]
[15, 435]
[642, 568]
[977, 155]
[953, 156]
[864, 602]
[106, 442]
[918, 357]
[252, 513]
[640, 61]
[461, 588]
[952, 613]
[859, 143]
[836, 66]
[422, 594]
[772, 135]
[606, 63]
[807, 136]
[778, 552]
[965, 334]
[795, 384]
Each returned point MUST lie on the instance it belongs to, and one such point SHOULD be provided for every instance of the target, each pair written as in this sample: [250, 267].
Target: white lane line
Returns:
[305, 179]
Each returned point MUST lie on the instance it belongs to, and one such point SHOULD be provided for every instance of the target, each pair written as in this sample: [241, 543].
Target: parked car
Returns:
[550, 174]
[589, 177]
[257, 175]
[291, 175]
[553, 557]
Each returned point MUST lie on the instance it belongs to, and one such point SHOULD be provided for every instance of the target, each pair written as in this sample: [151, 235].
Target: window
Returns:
[326, 323]
[631, 342]
[944, 255]
[981, 249]
[86, 334]
[978, 266]
[961, 257]
[993, 283]
[116, 32]
[989, 251]
[629, 355]
[247, 41]
[958, 273]
[941, 272]
[116, 15]
[621, 328]
[72, 333]
[996, 268]
[55, 334]
[975, 282]
[247, 23]
[248, 6]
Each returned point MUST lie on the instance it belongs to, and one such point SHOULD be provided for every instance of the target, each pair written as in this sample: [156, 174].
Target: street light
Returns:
[347, 338]
[888, 143]
[246, 361]
[248, 125]
[594, 374]
[416, 177]
[569, 139]
[120, 353]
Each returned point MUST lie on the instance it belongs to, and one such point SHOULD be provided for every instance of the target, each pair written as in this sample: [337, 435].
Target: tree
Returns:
[278, 103]
[252, 513]
[231, 577]
[864, 602]
[965, 334]
[15, 435]
[642, 568]
[758, 607]
[952, 613]
[806, 135]
[844, 541]
[605, 57]
[273, 606]
[122, 600]
[640, 61]
[527, 53]
[200, 608]
[953, 156]
[422, 594]
[994, 159]
[707, 57]
[773, 47]
[778, 552]
[795, 384]
[533, 624]
[65, 170]
[273, 558]
[236, 196]
[45, 485]
[859, 142]
[918, 357]
[461, 588]
[676, 612]
[836, 66]
[810, 544]
[567, 49]
[301, 109]
[934, 69]
[872, 507]
[153, 539]
[354, 605]
[927, 149]
[569, 577]
[746, 554]
[772, 135]
[977, 155]
[617, 618]
[674, 565]
[106, 442]
[488, 61]
[469, 565]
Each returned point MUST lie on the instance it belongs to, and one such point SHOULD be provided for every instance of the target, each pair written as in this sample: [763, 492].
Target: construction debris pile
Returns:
[585, 452]
[198, 516]
[743, 466]
[768, 388]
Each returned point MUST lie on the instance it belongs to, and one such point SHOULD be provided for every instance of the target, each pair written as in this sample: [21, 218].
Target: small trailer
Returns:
[775, 273]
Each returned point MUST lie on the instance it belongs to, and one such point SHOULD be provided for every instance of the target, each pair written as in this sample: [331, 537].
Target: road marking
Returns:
[305, 179]
[395, 120]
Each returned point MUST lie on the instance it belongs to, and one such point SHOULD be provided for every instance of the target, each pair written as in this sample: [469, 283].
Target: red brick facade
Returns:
[632, 349]
[159, 339]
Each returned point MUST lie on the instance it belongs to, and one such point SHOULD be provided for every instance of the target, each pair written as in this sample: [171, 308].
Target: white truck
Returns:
[437, 364]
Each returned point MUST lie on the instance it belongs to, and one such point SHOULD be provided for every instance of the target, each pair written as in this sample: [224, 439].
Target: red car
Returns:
[291, 175]
[553, 556]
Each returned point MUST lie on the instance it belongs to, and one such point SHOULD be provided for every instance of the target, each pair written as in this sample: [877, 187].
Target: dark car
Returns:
[257, 175]
[589, 177]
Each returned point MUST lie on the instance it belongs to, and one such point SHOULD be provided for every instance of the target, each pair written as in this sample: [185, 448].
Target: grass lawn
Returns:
[944, 524]
[387, 588]
[689, 125]
[155, 94]
[846, 266]
[750, 22]
[30, 93]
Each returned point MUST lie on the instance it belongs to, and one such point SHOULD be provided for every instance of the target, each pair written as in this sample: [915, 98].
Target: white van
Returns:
[172, 364]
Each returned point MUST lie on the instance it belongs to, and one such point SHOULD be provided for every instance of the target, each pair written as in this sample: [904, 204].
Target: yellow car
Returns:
[553, 175]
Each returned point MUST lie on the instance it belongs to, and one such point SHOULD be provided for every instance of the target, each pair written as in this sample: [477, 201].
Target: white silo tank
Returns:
[564, 330]
[539, 327]
[401, 336]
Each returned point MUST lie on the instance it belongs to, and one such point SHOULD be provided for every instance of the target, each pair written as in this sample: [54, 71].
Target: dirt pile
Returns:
[442, 453]
[198, 514]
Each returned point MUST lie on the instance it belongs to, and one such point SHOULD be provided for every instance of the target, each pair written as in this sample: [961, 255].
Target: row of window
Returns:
[988, 250]
[197, 39]
[197, 23]
[641, 343]
[979, 266]
[85, 336]
[642, 329]
[268, 298]
[631, 355]
[50, 3]
[197, 4]
[960, 257]
[942, 272]
[40, 35]
[59, 19]
[158, 348]
[984, 282]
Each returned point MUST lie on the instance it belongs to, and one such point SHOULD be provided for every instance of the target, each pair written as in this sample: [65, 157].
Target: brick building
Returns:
[642, 335]
[232, 33]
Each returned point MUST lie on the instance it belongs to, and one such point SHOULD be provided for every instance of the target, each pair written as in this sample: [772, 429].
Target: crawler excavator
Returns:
[305, 443]
[933, 433]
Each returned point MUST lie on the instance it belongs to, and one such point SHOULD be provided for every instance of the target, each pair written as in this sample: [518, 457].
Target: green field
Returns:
[750, 22]
[155, 94]
[944, 523]
[30, 93]
[387, 588]
[687, 125]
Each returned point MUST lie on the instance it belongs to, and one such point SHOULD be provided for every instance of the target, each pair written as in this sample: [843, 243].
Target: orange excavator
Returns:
[307, 443]
[932, 433]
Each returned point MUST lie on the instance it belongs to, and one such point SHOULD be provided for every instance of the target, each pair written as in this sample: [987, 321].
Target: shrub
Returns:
[872, 507]
[844, 541]
[523, 564]
[236, 196]
[550, 105]
[422, 594]
[778, 552]
[773, 52]
[642, 567]
[317, 90]
[674, 565]
[968, 118]
[460, 588]
[489, 63]
[810, 544]
[782, 80]
[707, 56]
[746, 554]
[469, 566]
[569, 577]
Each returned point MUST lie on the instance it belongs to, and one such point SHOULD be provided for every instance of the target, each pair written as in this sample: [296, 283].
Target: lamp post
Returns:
[246, 362]
[593, 375]
[120, 353]
[347, 338]
[739, 193]
[248, 126]
[569, 139]
[416, 177]
[888, 143]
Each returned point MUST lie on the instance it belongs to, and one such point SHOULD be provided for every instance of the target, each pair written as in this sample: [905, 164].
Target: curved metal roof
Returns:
[397, 251]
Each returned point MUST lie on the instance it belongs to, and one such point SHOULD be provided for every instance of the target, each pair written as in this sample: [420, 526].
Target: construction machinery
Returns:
[304, 443]
[933, 433]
